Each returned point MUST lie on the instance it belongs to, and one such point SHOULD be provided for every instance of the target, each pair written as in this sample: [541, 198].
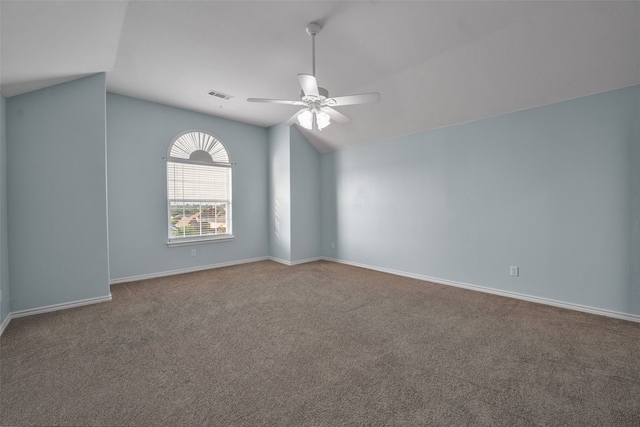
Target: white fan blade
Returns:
[336, 115]
[276, 101]
[293, 118]
[364, 98]
[309, 84]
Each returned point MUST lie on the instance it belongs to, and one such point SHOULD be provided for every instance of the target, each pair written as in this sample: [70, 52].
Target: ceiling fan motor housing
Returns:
[324, 94]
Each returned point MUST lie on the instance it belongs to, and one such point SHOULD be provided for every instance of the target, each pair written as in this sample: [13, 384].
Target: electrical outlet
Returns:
[333, 245]
[514, 270]
[193, 252]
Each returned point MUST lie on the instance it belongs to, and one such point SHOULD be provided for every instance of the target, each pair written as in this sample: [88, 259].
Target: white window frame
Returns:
[191, 148]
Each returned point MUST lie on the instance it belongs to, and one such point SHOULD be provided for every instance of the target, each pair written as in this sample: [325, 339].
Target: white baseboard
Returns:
[539, 300]
[516, 295]
[290, 263]
[49, 308]
[184, 270]
[63, 306]
[5, 323]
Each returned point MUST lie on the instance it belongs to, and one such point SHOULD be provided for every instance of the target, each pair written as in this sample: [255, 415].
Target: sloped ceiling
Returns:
[434, 63]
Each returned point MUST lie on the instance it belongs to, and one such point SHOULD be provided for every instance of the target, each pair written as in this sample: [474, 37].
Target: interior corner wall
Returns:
[139, 134]
[56, 191]
[634, 205]
[294, 196]
[279, 193]
[305, 198]
[5, 304]
[553, 190]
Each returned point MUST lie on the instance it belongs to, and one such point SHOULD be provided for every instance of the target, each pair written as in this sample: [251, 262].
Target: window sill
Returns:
[200, 240]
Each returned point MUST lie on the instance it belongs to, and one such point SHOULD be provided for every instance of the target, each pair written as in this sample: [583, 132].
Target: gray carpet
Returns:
[319, 344]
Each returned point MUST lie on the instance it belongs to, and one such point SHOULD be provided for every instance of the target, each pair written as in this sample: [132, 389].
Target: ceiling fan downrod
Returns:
[313, 29]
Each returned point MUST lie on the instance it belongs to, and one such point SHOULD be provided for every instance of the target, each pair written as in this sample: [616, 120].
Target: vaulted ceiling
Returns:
[434, 63]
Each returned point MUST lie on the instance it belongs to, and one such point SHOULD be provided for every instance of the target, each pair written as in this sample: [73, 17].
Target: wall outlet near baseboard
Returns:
[514, 270]
[193, 252]
[333, 245]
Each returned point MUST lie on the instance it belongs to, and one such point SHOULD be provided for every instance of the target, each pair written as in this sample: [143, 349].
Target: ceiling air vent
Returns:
[219, 95]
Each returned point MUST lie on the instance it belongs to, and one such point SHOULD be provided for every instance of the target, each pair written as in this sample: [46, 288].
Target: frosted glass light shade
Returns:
[306, 119]
[323, 119]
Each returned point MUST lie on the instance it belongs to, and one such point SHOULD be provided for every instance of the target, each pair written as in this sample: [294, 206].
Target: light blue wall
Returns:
[139, 133]
[294, 192]
[634, 166]
[57, 194]
[5, 305]
[279, 192]
[305, 194]
[553, 190]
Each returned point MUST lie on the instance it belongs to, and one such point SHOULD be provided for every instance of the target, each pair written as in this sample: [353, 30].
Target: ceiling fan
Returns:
[318, 112]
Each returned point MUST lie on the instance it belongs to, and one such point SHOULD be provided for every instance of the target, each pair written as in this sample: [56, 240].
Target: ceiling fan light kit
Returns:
[318, 113]
[314, 119]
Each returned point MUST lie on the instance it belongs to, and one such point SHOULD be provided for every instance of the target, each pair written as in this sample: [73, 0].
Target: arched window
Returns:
[198, 189]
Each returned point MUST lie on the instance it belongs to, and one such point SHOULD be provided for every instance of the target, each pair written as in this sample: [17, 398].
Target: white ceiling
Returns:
[434, 63]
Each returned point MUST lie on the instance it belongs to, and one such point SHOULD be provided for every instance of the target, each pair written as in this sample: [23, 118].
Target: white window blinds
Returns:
[194, 182]
[198, 188]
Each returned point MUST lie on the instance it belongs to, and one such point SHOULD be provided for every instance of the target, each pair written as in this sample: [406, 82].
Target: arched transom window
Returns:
[198, 188]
